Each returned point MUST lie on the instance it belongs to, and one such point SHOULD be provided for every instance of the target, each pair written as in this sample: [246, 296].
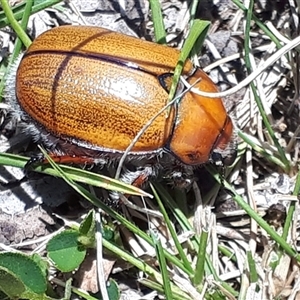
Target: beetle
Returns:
[87, 91]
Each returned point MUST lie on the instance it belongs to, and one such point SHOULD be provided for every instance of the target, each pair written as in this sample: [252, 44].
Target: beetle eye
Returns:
[165, 81]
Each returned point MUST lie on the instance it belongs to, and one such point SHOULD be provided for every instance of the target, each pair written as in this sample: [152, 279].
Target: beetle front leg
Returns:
[137, 178]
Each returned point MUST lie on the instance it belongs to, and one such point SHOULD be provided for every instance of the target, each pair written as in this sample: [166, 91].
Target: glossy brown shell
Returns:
[97, 86]
[97, 89]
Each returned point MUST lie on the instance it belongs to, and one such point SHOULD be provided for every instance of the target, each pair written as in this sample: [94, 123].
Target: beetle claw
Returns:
[34, 159]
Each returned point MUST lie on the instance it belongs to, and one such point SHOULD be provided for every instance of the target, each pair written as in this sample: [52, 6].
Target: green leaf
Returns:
[10, 284]
[87, 231]
[109, 233]
[113, 290]
[43, 264]
[64, 251]
[26, 269]
[88, 225]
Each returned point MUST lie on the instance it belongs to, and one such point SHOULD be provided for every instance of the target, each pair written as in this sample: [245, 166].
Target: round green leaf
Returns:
[113, 290]
[10, 284]
[64, 251]
[26, 269]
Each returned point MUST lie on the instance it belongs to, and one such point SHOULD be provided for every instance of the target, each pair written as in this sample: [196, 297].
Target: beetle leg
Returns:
[68, 159]
[137, 178]
[38, 158]
[63, 159]
[180, 176]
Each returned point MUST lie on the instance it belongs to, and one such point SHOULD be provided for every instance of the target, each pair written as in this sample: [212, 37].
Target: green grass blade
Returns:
[75, 174]
[247, 47]
[178, 246]
[259, 220]
[197, 36]
[162, 265]
[158, 22]
[200, 264]
[14, 23]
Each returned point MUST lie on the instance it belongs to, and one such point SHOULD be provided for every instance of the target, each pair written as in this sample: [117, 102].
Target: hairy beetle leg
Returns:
[136, 178]
[69, 159]
[139, 177]
[59, 159]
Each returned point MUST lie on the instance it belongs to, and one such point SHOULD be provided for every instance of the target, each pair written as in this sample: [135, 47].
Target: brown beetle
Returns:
[88, 91]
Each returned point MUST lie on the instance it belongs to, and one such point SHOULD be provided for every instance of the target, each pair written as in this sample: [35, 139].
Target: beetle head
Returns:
[203, 131]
